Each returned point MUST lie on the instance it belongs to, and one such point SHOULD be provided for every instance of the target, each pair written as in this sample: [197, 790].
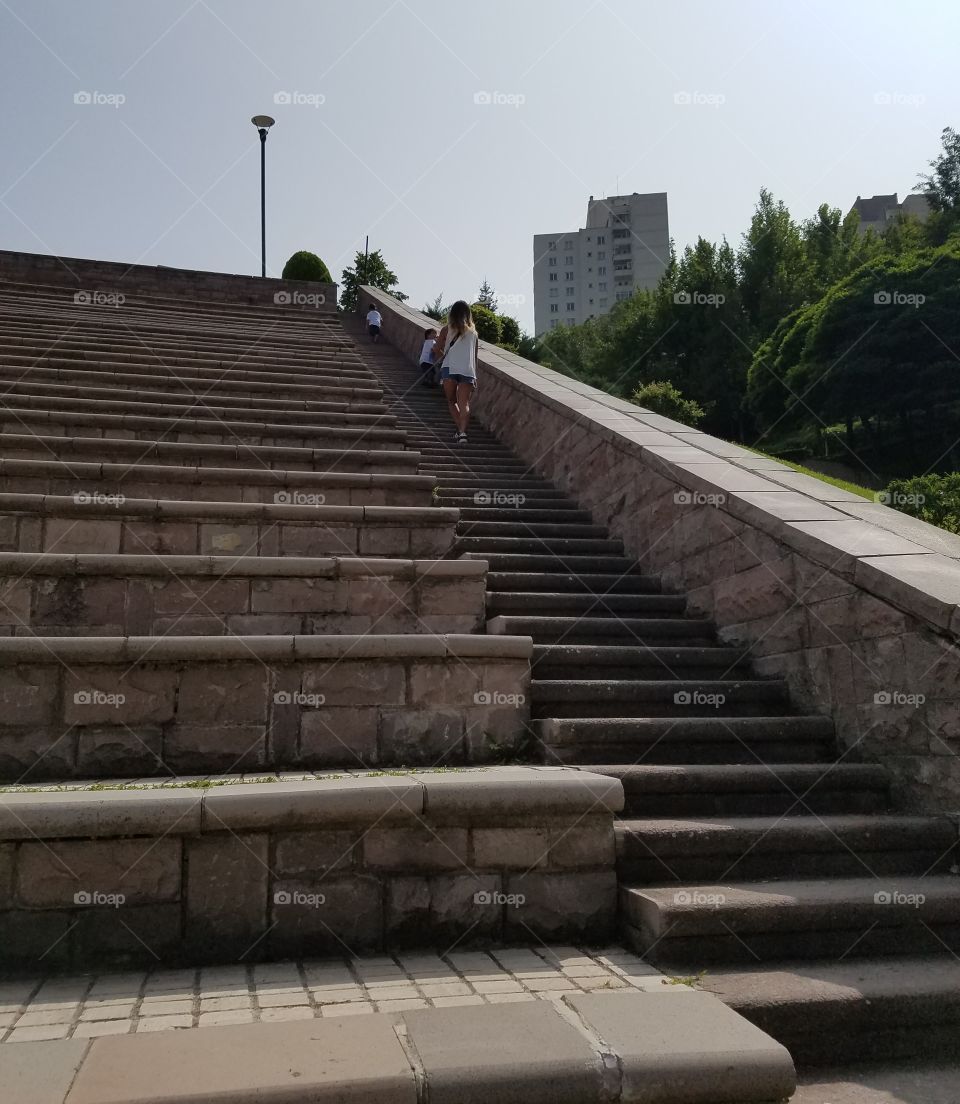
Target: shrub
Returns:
[932, 498]
[509, 331]
[663, 398]
[306, 266]
[487, 323]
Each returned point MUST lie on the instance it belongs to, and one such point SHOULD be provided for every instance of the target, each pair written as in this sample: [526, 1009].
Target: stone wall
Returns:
[91, 276]
[108, 707]
[299, 869]
[856, 604]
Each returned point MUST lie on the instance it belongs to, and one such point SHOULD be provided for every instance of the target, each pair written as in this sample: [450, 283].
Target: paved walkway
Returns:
[921, 1085]
[92, 1005]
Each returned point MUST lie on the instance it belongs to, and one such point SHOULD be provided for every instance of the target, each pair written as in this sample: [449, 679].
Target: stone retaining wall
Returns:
[188, 595]
[856, 604]
[109, 707]
[109, 276]
[66, 524]
[246, 872]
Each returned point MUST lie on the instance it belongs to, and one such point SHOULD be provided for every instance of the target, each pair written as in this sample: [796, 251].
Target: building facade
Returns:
[581, 274]
[879, 211]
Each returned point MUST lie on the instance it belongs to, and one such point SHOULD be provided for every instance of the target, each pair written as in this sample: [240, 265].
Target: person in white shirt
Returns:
[426, 358]
[374, 322]
[458, 346]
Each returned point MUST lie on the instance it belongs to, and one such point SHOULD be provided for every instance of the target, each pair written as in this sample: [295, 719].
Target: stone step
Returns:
[475, 509]
[682, 740]
[85, 479]
[750, 789]
[291, 405]
[201, 406]
[788, 920]
[188, 382]
[831, 1013]
[67, 524]
[654, 851]
[15, 419]
[45, 447]
[557, 546]
[581, 582]
[467, 486]
[122, 707]
[155, 595]
[523, 527]
[604, 630]
[676, 697]
[356, 841]
[559, 661]
[594, 605]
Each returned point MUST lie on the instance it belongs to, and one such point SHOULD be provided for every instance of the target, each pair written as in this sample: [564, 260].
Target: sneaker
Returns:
[462, 438]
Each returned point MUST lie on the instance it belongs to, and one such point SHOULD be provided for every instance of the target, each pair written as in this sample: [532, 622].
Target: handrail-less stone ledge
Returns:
[222, 649]
[854, 603]
[69, 506]
[484, 795]
[681, 1047]
[27, 564]
[53, 445]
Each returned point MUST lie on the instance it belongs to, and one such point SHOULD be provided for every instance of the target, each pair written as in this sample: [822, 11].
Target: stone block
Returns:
[338, 736]
[215, 693]
[416, 848]
[126, 936]
[29, 1081]
[214, 747]
[589, 843]
[357, 682]
[119, 695]
[165, 538]
[76, 534]
[562, 905]
[71, 873]
[294, 595]
[113, 751]
[316, 540]
[300, 855]
[29, 694]
[445, 907]
[445, 682]
[422, 737]
[510, 848]
[229, 540]
[35, 941]
[226, 893]
[325, 915]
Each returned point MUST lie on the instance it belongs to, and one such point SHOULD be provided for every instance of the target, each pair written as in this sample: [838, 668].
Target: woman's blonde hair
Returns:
[461, 317]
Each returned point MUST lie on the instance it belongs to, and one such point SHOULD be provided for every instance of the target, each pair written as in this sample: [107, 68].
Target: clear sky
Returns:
[818, 101]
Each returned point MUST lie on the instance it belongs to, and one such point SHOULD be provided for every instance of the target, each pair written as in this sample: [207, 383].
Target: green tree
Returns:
[529, 348]
[487, 323]
[663, 398]
[772, 265]
[436, 310]
[942, 186]
[487, 297]
[509, 331]
[304, 265]
[372, 271]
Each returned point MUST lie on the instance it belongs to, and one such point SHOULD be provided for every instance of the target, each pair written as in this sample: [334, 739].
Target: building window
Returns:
[569, 276]
[553, 261]
[568, 260]
[601, 270]
[551, 246]
[601, 254]
[571, 291]
[554, 277]
[554, 291]
[571, 306]
[600, 239]
[602, 286]
[568, 244]
[554, 308]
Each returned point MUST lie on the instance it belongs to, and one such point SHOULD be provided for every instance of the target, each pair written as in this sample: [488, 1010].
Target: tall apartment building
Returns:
[581, 274]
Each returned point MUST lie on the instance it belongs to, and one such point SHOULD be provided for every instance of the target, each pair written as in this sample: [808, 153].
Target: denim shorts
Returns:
[457, 377]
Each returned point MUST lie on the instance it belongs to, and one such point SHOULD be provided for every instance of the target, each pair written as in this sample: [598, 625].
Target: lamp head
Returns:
[262, 122]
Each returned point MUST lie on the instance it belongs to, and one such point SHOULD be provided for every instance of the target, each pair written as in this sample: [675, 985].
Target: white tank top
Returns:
[460, 358]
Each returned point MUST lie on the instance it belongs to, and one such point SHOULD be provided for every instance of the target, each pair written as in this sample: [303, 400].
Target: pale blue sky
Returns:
[819, 101]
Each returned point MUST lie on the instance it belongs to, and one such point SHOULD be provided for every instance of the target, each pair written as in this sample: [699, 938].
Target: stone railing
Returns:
[108, 277]
[856, 604]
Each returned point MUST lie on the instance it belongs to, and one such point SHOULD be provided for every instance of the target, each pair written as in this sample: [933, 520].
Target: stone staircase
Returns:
[748, 853]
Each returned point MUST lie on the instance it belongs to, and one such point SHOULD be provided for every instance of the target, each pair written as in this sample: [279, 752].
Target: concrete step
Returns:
[833, 1013]
[557, 546]
[654, 851]
[580, 583]
[593, 605]
[687, 740]
[521, 514]
[559, 661]
[44, 447]
[523, 527]
[769, 922]
[157, 595]
[85, 479]
[750, 789]
[676, 697]
[605, 630]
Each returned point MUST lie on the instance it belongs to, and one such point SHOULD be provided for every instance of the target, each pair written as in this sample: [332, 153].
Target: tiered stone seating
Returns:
[222, 572]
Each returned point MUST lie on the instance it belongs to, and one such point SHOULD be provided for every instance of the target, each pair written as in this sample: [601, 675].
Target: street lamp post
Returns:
[263, 123]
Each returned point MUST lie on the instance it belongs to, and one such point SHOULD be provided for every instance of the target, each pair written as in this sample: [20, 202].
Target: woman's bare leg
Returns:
[450, 394]
[464, 394]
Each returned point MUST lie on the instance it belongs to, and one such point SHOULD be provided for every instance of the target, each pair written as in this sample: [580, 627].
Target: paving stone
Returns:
[453, 1002]
[151, 1008]
[508, 998]
[274, 999]
[388, 992]
[106, 1027]
[225, 1004]
[354, 1008]
[513, 1055]
[444, 989]
[38, 1016]
[221, 1019]
[337, 996]
[277, 1015]
[107, 1010]
[27, 1081]
[501, 985]
[164, 1023]
[400, 1005]
[38, 1033]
